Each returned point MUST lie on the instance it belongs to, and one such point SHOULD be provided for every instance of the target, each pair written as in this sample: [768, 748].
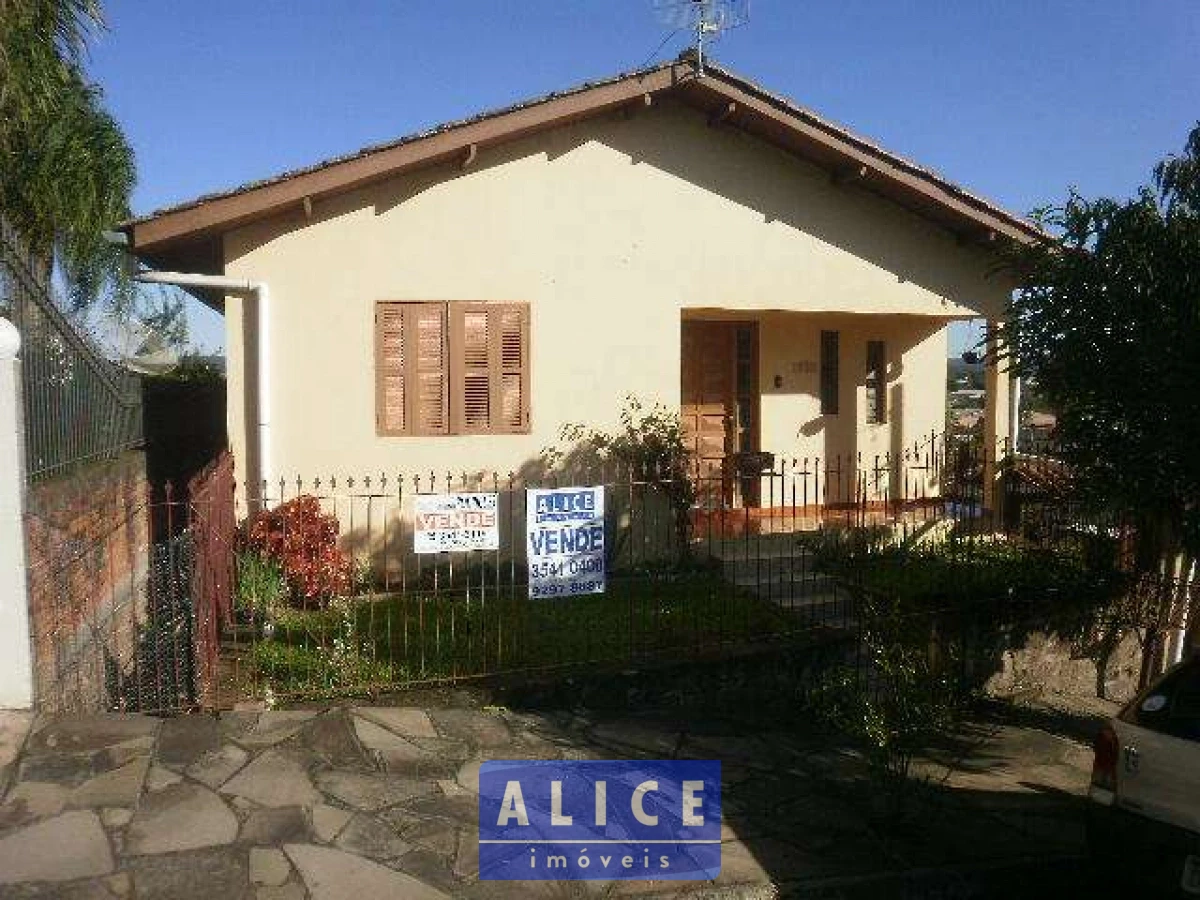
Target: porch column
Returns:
[997, 438]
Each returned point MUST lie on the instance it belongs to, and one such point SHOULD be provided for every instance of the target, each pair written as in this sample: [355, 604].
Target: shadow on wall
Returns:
[841, 216]
[377, 527]
[723, 161]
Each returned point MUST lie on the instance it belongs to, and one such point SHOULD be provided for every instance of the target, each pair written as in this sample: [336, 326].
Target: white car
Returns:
[1144, 818]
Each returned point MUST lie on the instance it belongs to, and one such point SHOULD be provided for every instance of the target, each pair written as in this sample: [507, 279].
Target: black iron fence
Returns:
[316, 587]
[78, 406]
[333, 597]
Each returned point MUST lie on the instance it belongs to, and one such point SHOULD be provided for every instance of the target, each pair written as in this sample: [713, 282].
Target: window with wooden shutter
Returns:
[452, 368]
[474, 373]
[514, 368]
[412, 378]
[489, 346]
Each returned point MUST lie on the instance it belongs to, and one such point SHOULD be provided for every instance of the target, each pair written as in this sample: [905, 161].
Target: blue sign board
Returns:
[565, 541]
[599, 820]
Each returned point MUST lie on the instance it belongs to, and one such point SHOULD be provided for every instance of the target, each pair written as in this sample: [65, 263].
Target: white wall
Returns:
[609, 229]
[16, 672]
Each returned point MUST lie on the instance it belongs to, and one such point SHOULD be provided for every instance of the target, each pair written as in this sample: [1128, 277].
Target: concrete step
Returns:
[823, 599]
[826, 611]
[796, 556]
[767, 565]
[798, 595]
[801, 579]
[766, 546]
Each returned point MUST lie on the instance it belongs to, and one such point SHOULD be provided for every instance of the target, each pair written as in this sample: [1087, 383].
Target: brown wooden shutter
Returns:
[390, 407]
[475, 366]
[512, 386]
[489, 349]
[428, 383]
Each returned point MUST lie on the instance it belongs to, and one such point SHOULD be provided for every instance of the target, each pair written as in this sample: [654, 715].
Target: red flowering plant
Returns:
[302, 540]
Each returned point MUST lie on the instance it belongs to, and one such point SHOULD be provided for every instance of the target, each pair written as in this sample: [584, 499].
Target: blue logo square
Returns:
[599, 820]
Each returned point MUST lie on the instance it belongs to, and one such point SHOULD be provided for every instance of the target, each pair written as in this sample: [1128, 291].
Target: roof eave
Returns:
[228, 210]
[731, 99]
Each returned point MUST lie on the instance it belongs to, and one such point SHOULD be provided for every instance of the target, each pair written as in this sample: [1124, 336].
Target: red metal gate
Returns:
[213, 526]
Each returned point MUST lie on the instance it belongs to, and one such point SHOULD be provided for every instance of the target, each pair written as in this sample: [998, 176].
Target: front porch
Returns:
[794, 420]
[796, 496]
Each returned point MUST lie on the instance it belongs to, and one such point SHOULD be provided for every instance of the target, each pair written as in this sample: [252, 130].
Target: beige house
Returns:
[449, 301]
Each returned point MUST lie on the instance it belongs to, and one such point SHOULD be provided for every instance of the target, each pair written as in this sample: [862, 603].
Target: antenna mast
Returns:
[704, 24]
[706, 19]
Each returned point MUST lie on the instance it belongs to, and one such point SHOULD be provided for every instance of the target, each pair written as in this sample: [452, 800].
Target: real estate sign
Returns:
[450, 523]
[565, 541]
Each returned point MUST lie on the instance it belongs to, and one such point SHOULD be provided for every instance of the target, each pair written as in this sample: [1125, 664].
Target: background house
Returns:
[447, 302]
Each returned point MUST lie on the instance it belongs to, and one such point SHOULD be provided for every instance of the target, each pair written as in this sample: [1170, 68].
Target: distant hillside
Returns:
[956, 370]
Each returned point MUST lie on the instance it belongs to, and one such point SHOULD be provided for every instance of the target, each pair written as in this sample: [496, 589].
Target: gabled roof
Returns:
[188, 231]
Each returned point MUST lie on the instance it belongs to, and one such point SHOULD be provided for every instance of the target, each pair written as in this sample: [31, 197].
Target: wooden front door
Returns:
[719, 410]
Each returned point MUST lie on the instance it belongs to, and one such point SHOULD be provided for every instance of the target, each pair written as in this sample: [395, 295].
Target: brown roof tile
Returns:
[903, 179]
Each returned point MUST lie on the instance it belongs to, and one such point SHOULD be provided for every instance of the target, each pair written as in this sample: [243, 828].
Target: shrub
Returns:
[303, 541]
[649, 444]
[261, 585]
[897, 706]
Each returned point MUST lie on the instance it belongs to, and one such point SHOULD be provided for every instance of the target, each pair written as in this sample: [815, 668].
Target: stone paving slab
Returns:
[377, 802]
[39, 852]
[184, 816]
[14, 727]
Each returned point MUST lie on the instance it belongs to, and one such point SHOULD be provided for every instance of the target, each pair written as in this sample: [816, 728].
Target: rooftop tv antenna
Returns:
[707, 20]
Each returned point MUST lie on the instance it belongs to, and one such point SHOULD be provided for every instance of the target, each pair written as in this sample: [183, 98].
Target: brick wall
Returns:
[88, 541]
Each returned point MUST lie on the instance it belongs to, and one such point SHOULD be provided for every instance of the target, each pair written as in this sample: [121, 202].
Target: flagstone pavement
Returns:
[365, 802]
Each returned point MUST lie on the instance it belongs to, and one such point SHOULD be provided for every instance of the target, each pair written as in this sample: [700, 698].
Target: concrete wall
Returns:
[16, 671]
[610, 229]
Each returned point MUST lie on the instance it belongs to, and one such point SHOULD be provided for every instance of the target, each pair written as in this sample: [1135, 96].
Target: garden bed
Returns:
[381, 640]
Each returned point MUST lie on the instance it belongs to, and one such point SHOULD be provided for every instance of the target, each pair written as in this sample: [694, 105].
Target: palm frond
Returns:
[66, 169]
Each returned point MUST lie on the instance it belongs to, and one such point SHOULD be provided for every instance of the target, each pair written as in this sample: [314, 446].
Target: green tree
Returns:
[66, 169]
[1108, 322]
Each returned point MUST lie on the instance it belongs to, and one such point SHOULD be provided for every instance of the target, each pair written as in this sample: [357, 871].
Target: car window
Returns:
[1173, 705]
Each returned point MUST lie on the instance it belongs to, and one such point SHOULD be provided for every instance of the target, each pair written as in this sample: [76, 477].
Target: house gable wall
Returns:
[610, 229]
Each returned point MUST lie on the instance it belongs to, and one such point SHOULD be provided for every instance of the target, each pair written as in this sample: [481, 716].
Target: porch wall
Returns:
[792, 424]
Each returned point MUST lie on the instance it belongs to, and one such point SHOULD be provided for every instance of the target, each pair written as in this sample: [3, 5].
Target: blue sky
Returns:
[1014, 99]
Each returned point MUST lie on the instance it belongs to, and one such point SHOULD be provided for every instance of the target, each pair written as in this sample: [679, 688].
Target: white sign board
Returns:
[565, 541]
[451, 523]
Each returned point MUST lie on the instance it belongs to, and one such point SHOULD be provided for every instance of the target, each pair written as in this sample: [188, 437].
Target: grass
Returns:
[381, 640]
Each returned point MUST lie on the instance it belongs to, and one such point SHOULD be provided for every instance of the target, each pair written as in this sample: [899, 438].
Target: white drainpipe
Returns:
[1014, 410]
[245, 288]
